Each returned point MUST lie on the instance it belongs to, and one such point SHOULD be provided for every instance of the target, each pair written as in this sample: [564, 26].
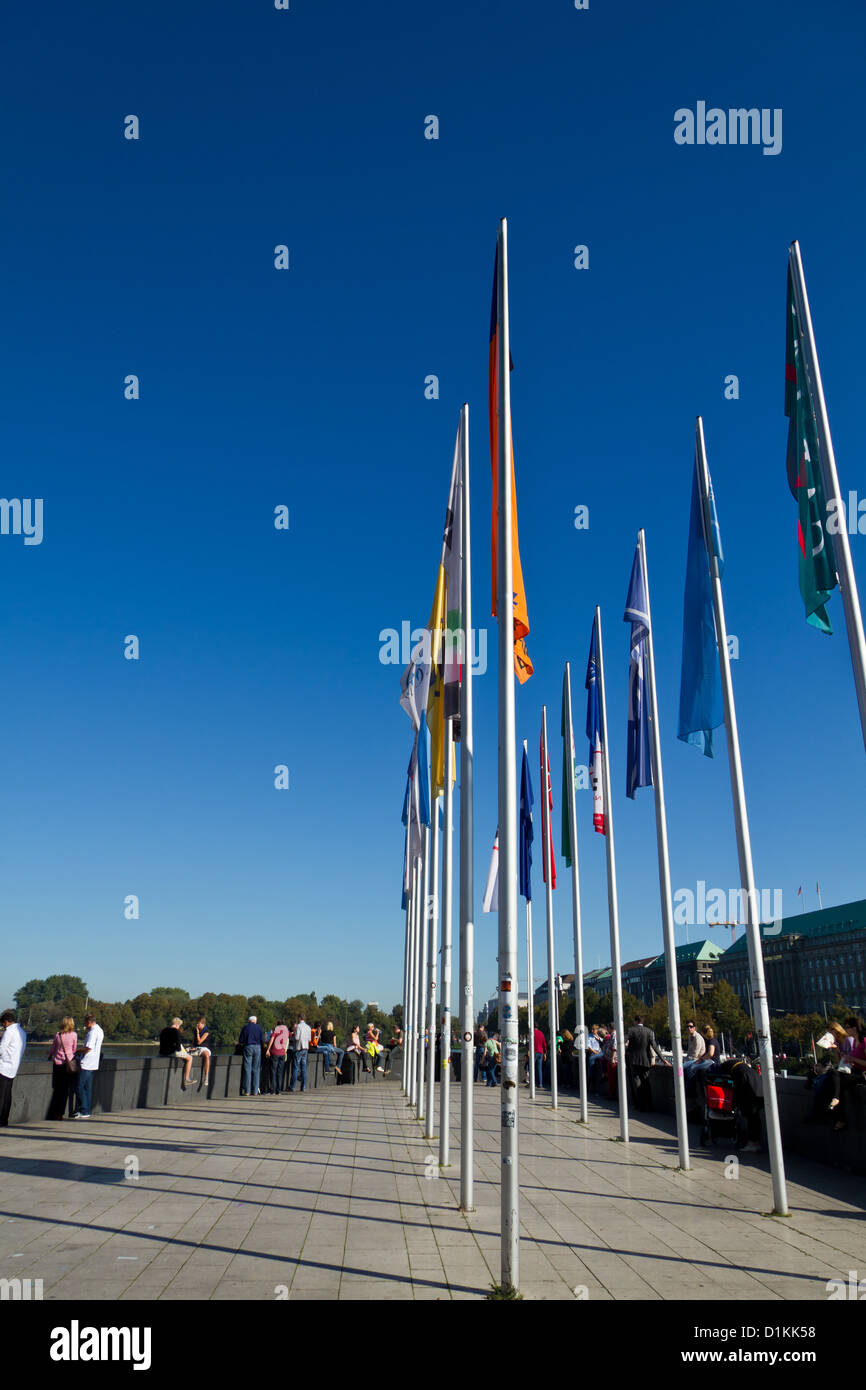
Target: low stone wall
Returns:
[135, 1083]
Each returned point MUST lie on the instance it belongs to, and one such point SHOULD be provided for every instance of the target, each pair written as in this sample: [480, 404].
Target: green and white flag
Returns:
[817, 563]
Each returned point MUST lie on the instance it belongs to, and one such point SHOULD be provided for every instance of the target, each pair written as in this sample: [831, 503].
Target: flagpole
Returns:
[665, 880]
[830, 479]
[552, 998]
[413, 950]
[531, 993]
[612, 903]
[422, 959]
[579, 1014]
[432, 952]
[510, 1249]
[467, 850]
[403, 1071]
[744, 852]
[445, 1073]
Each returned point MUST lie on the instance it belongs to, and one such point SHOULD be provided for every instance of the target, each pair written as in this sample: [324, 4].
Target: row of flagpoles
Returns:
[436, 692]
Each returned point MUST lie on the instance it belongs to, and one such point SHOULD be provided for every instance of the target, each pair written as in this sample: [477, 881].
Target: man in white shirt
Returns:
[89, 1064]
[12, 1045]
[303, 1036]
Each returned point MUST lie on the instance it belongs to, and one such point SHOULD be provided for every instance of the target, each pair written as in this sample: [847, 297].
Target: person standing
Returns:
[251, 1040]
[88, 1066]
[493, 1055]
[64, 1068]
[303, 1034]
[640, 1043]
[12, 1045]
[277, 1047]
[539, 1048]
[479, 1041]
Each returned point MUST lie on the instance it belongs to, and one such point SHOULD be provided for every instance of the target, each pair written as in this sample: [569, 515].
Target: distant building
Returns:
[814, 957]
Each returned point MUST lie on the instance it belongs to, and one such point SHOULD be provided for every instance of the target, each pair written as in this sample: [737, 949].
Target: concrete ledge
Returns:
[136, 1083]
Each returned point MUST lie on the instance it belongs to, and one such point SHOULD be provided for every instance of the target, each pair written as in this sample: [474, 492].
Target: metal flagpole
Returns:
[445, 1073]
[432, 952]
[531, 1009]
[552, 997]
[420, 974]
[403, 1071]
[744, 852]
[830, 479]
[467, 850]
[410, 1031]
[531, 994]
[580, 1018]
[510, 1249]
[665, 880]
[612, 904]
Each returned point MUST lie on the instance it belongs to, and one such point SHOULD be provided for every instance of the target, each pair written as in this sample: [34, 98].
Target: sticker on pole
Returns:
[467, 1037]
[508, 1118]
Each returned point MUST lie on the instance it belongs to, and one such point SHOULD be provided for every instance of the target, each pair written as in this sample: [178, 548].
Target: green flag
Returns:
[817, 565]
[566, 789]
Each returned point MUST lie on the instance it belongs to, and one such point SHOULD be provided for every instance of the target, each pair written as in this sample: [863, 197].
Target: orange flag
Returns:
[522, 665]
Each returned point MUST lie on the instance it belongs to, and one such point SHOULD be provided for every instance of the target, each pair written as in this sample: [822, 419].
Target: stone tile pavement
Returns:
[327, 1195]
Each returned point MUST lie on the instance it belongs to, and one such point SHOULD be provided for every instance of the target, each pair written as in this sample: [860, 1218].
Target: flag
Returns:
[415, 681]
[638, 760]
[817, 563]
[436, 695]
[416, 804]
[522, 664]
[800, 891]
[567, 742]
[452, 559]
[490, 901]
[545, 781]
[701, 709]
[593, 733]
[526, 831]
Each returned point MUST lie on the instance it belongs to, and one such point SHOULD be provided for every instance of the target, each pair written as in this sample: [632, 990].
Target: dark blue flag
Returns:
[526, 832]
[701, 709]
[638, 762]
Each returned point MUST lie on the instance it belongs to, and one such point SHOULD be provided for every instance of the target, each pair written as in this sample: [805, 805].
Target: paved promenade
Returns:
[324, 1195]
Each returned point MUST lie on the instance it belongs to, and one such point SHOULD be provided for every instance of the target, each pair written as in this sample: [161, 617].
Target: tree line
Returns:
[41, 1004]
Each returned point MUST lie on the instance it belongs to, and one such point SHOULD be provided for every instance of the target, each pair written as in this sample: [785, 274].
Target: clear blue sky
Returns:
[306, 387]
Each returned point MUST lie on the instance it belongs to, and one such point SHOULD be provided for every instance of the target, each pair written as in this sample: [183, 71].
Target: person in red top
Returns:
[277, 1047]
[540, 1050]
[64, 1069]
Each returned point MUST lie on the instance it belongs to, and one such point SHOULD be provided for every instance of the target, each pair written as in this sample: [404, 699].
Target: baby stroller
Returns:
[721, 1115]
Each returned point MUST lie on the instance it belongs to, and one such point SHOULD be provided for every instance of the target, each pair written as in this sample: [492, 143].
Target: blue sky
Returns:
[305, 388]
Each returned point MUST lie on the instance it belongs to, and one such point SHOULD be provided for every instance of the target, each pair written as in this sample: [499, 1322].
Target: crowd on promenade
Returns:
[269, 1057]
[843, 1067]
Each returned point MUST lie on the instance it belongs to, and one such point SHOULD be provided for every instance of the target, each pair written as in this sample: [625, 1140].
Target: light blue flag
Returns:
[638, 762]
[701, 708]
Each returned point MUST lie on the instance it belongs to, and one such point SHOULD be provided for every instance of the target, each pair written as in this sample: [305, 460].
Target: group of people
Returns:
[847, 1068]
[266, 1057]
[74, 1063]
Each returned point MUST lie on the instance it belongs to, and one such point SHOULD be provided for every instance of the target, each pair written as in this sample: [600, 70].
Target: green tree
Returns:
[31, 993]
[727, 1012]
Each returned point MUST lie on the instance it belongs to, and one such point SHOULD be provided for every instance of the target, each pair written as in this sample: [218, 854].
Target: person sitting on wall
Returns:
[171, 1045]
